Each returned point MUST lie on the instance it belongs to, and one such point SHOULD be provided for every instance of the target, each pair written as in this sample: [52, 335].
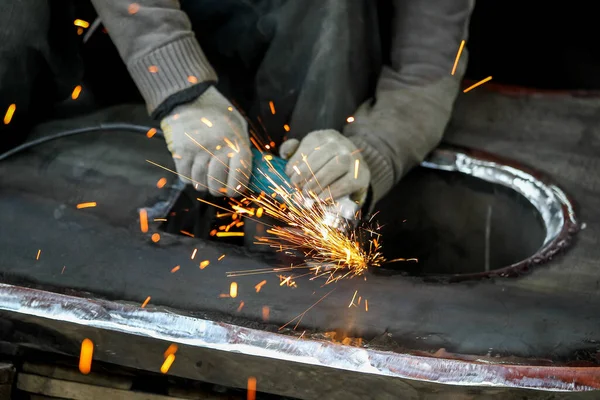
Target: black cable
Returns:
[71, 132]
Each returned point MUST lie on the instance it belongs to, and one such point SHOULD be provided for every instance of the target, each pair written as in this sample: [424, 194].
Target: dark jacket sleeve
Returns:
[156, 42]
[415, 94]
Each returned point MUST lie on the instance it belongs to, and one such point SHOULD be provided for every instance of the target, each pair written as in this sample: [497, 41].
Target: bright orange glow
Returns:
[172, 349]
[76, 92]
[194, 254]
[481, 82]
[272, 107]
[167, 364]
[155, 237]
[81, 23]
[260, 285]
[222, 257]
[143, 220]
[460, 50]
[9, 113]
[89, 204]
[228, 234]
[286, 127]
[151, 132]
[153, 69]
[145, 303]
[206, 122]
[85, 357]
[259, 212]
[38, 254]
[233, 289]
[240, 306]
[265, 313]
[251, 388]
[175, 269]
[161, 183]
[192, 79]
[350, 120]
[204, 264]
[133, 8]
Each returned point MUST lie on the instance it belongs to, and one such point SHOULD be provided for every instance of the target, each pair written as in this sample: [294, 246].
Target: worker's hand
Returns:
[328, 164]
[209, 141]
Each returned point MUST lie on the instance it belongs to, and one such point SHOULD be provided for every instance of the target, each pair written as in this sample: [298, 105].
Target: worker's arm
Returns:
[156, 42]
[415, 94]
[207, 136]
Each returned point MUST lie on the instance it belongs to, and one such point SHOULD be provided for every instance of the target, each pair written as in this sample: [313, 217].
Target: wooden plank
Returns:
[57, 372]
[79, 391]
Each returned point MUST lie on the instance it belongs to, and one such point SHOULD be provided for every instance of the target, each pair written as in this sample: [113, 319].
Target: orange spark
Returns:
[145, 303]
[233, 289]
[89, 204]
[251, 388]
[206, 122]
[81, 23]
[85, 357]
[350, 120]
[175, 269]
[224, 295]
[222, 257]
[204, 264]
[9, 113]
[38, 254]
[353, 297]
[133, 8]
[194, 253]
[260, 285]
[155, 237]
[272, 107]
[265, 313]
[286, 127]
[481, 82]
[186, 233]
[161, 183]
[240, 306]
[259, 212]
[79, 31]
[172, 349]
[228, 234]
[76, 92]
[151, 132]
[143, 220]
[153, 69]
[366, 305]
[460, 49]
[192, 79]
[164, 368]
[356, 163]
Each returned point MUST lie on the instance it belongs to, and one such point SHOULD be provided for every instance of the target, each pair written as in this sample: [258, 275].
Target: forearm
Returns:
[157, 44]
[416, 93]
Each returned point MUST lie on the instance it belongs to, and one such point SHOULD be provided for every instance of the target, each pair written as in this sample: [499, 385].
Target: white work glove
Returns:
[333, 159]
[213, 123]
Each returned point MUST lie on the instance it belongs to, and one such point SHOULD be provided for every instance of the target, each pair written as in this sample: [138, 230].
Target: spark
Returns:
[164, 368]
[366, 305]
[265, 313]
[155, 237]
[356, 163]
[251, 389]
[233, 289]
[161, 183]
[460, 50]
[192, 79]
[287, 280]
[272, 107]
[204, 264]
[63, 270]
[260, 285]
[300, 316]
[153, 69]
[85, 357]
[145, 303]
[76, 92]
[297, 170]
[353, 297]
[133, 8]
[240, 306]
[481, 82]
[175, 269]
[229, 234]
[151, 132]
[350, 120]
[286, 127]
[229, 108]
[89, 204]
[37, 257]
[259, 212]
[186, 233]
[194, 254]
[172, 349]
[143, 220]
[81, 23]
[9, 113]
[222, 257]
[160, 220]
[206, 122]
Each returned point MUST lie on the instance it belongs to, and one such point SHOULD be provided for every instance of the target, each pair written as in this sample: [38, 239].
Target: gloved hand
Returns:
[335, 161]
[210, 124]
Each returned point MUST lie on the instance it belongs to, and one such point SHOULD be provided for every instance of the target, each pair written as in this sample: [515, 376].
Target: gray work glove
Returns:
[333, 159]
[209, 141]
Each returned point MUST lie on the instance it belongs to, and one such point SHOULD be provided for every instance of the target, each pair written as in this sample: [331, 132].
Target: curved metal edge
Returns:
[554, 205]
[172, 327]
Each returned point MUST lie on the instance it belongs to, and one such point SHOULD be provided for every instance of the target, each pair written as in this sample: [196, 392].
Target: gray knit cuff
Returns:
[382, 172]
[170, 69]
